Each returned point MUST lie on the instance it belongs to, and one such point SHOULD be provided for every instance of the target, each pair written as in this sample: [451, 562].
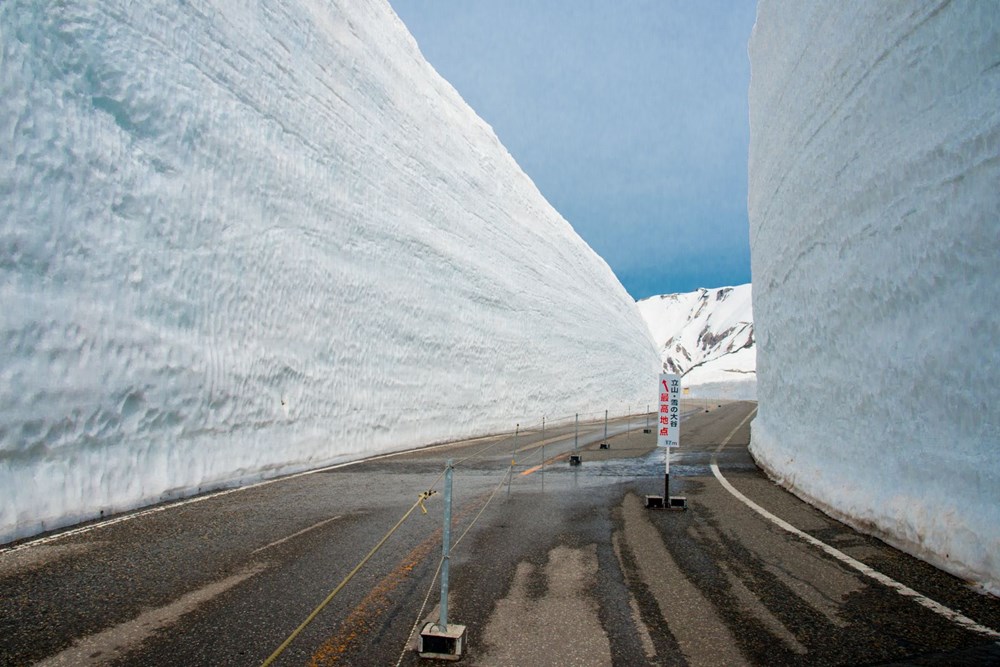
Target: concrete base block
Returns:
[654, 502]
[441, 643]
[673, 503]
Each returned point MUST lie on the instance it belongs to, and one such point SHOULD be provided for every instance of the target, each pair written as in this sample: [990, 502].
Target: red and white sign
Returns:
[668, 428]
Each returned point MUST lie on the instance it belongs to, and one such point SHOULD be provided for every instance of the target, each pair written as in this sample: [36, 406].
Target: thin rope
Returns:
[420, 502]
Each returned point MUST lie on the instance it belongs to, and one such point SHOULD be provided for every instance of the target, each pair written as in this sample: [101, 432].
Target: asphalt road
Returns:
[565, 568]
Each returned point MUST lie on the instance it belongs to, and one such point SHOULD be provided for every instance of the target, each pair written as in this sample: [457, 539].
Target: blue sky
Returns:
[630, 117]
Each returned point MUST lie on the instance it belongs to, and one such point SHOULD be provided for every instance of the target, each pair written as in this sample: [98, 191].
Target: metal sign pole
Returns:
[666, 476]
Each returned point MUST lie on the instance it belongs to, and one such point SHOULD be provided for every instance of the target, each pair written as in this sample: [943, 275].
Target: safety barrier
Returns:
[506, 476]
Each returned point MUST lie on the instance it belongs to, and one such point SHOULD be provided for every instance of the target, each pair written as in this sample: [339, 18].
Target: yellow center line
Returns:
[541, 465]
[557, 457]
[557, 438]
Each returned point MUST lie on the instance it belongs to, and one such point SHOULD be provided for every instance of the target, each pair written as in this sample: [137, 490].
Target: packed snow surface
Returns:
[240, 240]
[874, 208]
[706, 337]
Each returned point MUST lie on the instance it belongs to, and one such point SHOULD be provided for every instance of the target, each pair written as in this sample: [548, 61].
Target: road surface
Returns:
[567, 567]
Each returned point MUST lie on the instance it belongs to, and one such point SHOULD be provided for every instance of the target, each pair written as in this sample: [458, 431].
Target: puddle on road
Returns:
[650, 465]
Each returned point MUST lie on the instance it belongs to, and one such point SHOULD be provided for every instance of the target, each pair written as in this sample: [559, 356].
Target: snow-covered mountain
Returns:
[707, 337]
[874, 207]
[244, 239]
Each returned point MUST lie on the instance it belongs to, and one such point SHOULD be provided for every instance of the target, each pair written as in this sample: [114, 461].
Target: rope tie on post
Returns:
[424, 496]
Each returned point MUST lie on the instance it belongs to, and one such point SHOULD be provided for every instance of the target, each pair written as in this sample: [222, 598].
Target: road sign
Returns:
[669, 427]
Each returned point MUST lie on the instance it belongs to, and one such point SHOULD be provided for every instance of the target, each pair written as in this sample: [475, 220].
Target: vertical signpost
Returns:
[668, 436]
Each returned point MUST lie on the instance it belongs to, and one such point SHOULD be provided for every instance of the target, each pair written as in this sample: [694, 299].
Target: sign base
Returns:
[605, 445]
[675, 503]
[575, 459]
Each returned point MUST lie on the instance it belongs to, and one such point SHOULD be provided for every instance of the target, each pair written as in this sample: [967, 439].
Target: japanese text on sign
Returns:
[669, 429]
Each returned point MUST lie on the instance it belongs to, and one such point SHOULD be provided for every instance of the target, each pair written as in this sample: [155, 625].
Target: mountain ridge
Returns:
[707, 337]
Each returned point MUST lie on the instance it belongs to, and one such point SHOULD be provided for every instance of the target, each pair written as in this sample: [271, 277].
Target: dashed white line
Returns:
[294, 535]
[902, 589]
[115, 642]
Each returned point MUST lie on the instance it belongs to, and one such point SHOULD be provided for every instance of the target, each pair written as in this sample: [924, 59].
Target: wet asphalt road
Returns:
[568, 568]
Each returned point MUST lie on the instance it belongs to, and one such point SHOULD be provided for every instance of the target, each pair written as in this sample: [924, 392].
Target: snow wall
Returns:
[244, 239]
[874, 206]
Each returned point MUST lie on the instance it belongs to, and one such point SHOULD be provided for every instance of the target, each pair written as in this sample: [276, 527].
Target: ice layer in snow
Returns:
[244, 239]
[706, 337]
[874, 202]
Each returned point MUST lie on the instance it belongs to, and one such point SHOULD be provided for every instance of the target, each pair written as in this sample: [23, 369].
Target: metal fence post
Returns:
[543, 452]
[510, 473]
[446, 547]
[576, 432]
[441, 640]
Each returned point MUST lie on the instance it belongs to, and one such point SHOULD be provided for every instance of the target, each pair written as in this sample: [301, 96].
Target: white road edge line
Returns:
[218, 494]
[902, 589]
[224, 492]
[294, 535]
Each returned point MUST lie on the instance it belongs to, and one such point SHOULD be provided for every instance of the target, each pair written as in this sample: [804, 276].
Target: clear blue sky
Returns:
[630, 117]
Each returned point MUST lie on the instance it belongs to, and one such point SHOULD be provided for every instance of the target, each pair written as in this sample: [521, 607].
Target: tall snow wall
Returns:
[874, 205]
[245, 239]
